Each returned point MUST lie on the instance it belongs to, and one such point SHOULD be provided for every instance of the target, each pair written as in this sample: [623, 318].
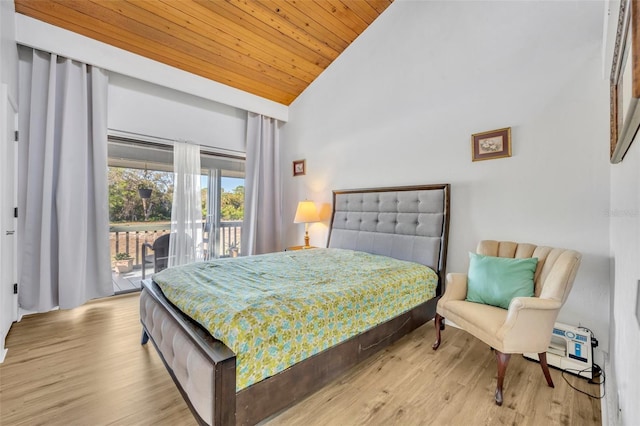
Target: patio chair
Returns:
[160, 257]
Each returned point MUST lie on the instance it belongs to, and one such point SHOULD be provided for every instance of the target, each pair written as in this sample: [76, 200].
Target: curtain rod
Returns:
[139, 139]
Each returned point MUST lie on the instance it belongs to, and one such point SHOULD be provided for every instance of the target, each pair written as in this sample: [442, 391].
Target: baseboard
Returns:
[3, 354]
[609, 403]
[24, 312]
[604, 410]
[451, 323]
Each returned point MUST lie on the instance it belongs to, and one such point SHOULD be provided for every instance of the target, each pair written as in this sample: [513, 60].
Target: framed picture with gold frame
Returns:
[491, 144]
[625, 81]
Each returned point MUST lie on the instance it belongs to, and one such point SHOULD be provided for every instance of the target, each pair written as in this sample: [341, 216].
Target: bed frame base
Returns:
[272, 395]
[145, 337]
[289, 387]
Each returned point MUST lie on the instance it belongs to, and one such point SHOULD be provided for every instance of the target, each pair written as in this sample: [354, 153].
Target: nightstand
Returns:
[298, 248]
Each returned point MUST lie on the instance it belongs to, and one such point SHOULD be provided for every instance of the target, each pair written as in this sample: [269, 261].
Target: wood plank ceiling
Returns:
[271, 48]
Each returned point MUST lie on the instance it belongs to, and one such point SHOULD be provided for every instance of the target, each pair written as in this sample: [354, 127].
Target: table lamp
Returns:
[306, 213]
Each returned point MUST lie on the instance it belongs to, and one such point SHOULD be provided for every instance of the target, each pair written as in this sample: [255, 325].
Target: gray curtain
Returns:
[63, 218]
[262, 225]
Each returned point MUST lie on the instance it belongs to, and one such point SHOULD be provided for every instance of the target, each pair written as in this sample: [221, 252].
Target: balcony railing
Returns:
[230, 236]
[129, 238]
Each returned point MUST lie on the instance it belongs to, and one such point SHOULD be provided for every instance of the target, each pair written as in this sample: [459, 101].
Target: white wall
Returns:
[137, 106]
[625, 249]
[399, 105]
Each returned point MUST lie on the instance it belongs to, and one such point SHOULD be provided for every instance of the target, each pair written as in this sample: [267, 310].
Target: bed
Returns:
[409, 224]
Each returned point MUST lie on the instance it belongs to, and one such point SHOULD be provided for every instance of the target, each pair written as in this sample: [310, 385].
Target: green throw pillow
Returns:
[496, 280]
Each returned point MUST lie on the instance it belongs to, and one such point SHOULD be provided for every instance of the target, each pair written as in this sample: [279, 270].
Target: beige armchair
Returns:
[527, 325]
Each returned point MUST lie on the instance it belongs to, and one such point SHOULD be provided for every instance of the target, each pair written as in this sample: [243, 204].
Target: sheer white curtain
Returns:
[262, 225]
[186, 211]
[63, 222]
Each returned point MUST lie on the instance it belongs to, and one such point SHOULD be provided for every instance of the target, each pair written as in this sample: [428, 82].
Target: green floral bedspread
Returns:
[277, 309]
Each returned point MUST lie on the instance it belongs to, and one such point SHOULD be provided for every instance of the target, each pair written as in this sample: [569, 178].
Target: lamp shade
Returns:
[306, 212]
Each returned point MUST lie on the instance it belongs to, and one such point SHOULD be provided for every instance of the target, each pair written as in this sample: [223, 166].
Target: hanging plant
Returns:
[145, 193]
[143, 188]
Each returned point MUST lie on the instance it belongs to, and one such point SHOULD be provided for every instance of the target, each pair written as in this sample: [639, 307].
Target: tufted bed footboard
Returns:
[203, 368]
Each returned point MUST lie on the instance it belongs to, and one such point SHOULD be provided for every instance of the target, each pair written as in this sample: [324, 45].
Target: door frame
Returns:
[8, 201]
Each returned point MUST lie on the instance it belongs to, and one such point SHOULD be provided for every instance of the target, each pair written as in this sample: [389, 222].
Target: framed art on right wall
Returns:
[625, 81]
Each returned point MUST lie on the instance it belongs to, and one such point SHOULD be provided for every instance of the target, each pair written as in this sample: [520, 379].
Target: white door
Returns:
[8, 202]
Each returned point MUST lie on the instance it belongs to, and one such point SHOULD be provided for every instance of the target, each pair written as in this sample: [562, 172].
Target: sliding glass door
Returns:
[140, 197]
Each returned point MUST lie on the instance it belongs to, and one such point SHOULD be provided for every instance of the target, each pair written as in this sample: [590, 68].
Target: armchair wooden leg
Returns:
[545, 368]
[439, 323]
[503, 361]
[145, 338]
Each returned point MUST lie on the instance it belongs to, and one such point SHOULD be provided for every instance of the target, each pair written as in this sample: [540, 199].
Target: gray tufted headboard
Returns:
[406, 223]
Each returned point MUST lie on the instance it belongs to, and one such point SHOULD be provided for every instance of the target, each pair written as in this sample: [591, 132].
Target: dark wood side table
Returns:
[298, 248]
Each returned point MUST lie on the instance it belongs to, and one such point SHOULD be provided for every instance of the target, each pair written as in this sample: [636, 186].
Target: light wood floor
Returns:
[86, 367]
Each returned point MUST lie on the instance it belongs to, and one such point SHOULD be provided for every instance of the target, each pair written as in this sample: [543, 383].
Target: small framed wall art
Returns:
[299, 167]
[491, 144]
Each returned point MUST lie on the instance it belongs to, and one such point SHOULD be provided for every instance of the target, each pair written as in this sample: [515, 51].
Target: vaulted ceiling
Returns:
[271, 48]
